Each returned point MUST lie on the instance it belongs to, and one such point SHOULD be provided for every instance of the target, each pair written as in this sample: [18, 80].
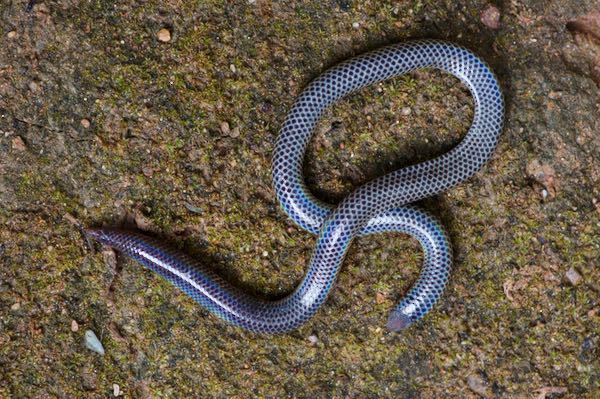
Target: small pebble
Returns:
[553, 95]
[89, 379]
[33, 86]
[142, 223]
[544, 175]
[232, 68]
[225, 128]
[355, 25]
[573, 276]
[490, 17]
[313, 339]
[405, 111]
[74, 326]
[147, 171]
[596, 204]
[265, 254]
[93, 343]
[194, 155]
[164, 35]
[12, 34]
[192, 208]
[477, 385]
[116, 390]
[15, 306]
[85, 123]
[18, 144]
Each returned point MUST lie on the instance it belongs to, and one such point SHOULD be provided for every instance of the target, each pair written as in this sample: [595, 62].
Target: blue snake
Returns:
[381, 205]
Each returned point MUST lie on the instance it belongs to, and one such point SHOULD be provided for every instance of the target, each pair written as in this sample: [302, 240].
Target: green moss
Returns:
[151, 104]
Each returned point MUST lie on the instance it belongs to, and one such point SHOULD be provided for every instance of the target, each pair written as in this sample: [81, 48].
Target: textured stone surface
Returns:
[154, 156]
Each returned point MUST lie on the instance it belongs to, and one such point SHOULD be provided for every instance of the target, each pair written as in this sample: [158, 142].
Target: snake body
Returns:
[381, 205]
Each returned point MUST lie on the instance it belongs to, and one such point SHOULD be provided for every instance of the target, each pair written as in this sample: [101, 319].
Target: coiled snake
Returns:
[382, 205]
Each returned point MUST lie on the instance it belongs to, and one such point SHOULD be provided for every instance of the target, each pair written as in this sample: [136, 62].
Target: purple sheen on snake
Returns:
[382, 205]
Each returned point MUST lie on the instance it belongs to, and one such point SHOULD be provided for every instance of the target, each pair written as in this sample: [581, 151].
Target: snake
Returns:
[384, 204]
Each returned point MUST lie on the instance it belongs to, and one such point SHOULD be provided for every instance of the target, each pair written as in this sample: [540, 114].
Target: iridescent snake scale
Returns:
[382, 205]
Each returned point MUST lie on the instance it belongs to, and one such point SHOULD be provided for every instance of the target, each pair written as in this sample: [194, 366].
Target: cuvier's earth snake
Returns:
[382, 205]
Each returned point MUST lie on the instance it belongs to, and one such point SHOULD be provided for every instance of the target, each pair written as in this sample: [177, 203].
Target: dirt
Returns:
[106, 119]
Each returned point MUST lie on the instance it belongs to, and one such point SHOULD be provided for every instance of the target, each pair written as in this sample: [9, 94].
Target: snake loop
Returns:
[381, 205]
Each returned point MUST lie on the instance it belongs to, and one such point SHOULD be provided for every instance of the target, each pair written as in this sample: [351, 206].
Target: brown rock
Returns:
[12, 34]
[586, 30]
[85, 123]
[490, 17]
[544, 175]
[588, 24]
[89, 379]
[508, 288]
[477, 385]
[74, 326]
[194, 155]
[18, 144]
[110, 257]
[573, 277]
[147, 171]
[142, 222]
[225, 128]
[33, 86]
[71, 219]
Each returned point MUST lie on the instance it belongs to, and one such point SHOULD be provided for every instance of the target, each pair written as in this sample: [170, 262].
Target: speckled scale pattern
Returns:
[381, 205]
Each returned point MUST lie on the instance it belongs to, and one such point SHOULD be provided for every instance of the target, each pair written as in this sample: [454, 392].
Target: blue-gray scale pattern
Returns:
[381, 205]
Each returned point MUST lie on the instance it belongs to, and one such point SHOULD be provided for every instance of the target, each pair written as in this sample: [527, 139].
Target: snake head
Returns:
[110, 237]
[96, 234]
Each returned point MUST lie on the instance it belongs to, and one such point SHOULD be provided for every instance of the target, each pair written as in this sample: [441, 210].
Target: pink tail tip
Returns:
[397, 321]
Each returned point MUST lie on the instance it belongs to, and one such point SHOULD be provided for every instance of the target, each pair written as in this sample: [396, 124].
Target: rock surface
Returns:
[155, 142]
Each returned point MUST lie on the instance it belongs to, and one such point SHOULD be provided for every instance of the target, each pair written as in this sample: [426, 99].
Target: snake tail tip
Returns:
[398, 322]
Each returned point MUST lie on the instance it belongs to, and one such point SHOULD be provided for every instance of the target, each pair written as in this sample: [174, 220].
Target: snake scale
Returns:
[381, 205]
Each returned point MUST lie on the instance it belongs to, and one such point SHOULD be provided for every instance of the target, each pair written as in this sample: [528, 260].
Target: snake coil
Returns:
[381, 205]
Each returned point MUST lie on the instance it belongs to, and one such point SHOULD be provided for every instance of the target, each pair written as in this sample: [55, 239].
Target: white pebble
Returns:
[355, 25]
[164, 35]
[93, 343]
